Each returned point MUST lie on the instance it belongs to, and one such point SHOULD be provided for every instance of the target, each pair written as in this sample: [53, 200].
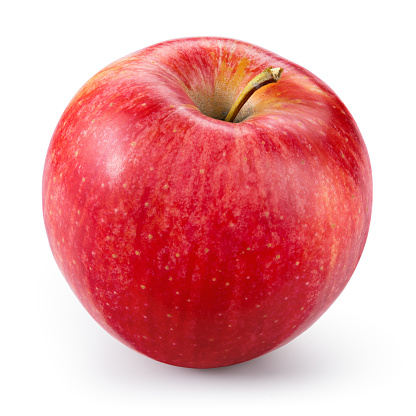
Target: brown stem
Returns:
[268, 76]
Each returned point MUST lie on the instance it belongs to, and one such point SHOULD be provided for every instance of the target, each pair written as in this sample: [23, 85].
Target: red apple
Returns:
[196, 241]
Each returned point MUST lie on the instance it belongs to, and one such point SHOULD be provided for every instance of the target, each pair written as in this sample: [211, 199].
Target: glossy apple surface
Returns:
[195, 241]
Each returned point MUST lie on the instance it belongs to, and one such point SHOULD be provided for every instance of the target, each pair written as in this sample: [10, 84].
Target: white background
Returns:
[359, 358]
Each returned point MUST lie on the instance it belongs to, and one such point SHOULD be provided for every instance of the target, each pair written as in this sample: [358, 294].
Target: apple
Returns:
[199, 236]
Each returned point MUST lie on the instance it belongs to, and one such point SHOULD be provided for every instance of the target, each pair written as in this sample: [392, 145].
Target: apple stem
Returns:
[268, 76]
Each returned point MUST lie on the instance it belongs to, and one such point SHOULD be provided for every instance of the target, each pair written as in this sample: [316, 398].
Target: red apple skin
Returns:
[198, 242]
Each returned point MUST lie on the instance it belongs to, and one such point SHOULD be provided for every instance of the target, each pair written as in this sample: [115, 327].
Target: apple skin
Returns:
[198, 242]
